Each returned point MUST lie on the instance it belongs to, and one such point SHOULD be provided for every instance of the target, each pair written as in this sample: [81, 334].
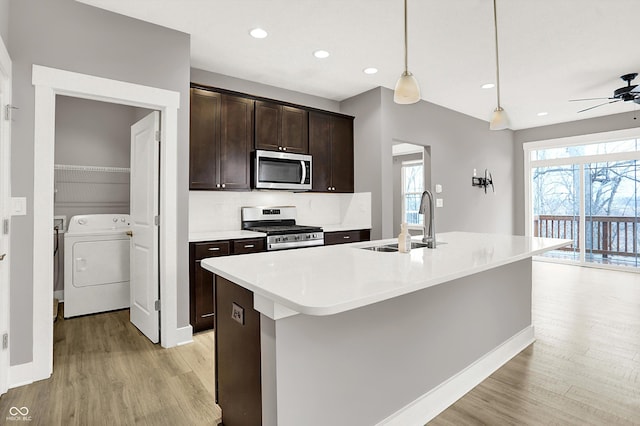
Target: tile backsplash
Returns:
[220, 210]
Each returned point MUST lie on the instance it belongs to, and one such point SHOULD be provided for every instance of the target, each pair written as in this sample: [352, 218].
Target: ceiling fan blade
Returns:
[588, 99]
[599, 105]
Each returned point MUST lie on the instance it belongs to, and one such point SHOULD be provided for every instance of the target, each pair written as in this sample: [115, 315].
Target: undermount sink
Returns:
[393, 247]
[414, 245]
[387, 249]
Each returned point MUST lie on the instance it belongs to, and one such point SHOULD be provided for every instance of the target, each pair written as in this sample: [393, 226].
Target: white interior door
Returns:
[145, 149]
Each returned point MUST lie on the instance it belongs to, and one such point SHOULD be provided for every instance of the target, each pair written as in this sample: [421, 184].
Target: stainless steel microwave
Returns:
[282, 170]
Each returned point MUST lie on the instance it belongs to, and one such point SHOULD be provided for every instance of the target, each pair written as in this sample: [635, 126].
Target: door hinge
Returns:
[7, 111]
[5, 341]
[156, 220]
[5, 227]
[157, 135]
[157, 305]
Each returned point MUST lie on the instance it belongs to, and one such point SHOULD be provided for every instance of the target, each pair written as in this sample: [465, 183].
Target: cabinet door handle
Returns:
[2, 256]
[329, 189]
[284, 149]
[213, 248]
[279, 148]
[217, 185]
[224, 185]
[346, 237]
[249, 245]
[207, 315]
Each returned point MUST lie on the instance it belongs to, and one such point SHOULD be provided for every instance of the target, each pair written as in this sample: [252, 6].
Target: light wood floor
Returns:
[107, 373]
[583, 369]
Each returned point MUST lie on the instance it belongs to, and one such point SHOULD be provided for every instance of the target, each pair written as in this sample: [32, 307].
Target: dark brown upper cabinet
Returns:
[331, 145]
[281, 128]
[221, 140]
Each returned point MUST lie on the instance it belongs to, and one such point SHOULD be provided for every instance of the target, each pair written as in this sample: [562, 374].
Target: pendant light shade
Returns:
[407, 90]
[499, 119]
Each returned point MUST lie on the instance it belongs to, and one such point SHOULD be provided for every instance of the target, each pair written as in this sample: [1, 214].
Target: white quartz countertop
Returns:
[195, 237]
[332, 279]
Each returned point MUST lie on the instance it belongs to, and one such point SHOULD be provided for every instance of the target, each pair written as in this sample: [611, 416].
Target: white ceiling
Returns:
[550, 50]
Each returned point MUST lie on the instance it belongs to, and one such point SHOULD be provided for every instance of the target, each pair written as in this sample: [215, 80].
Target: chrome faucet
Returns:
[428, 237]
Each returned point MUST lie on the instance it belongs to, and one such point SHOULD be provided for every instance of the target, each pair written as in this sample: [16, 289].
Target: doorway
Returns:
[48, 83]
[411, 176]
[94, 177]
[586, 189]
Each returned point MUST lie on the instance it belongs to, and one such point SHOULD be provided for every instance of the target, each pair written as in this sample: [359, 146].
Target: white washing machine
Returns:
[96, 264]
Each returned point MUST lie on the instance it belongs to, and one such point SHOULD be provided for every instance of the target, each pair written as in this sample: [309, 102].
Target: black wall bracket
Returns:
[483, 182]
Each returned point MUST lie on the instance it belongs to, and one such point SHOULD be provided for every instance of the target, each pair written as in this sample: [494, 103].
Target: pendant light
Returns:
[499, 119]
[407, 90]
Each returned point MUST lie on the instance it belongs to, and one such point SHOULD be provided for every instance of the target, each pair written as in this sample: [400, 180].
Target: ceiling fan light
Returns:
[499, 120]
[407, 90]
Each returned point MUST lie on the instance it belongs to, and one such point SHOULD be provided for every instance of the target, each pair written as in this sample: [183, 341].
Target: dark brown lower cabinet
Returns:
[343, 237]
[237, 355]
[201, 281]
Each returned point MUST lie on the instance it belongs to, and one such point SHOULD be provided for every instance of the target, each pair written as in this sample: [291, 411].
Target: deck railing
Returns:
[606, 235]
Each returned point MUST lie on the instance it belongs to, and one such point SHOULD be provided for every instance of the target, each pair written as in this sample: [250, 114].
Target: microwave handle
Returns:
[304, 171]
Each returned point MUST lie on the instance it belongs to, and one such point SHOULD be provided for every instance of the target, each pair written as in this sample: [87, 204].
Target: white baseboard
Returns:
[184, 335]
[20, 375]
[429, 405]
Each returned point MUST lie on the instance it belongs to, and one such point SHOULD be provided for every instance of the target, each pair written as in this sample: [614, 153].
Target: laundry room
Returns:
[92, 204]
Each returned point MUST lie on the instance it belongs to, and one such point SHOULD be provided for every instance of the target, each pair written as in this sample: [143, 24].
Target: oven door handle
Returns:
[304, 171]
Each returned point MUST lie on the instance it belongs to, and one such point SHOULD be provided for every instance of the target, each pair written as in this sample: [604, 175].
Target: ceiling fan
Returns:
[630, 92]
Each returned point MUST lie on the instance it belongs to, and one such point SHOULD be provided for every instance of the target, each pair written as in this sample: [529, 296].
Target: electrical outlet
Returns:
[60, 222]
[237, 313]
[439, 202]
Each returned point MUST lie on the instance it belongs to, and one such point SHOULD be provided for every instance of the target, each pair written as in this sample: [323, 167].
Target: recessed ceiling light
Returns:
[542, 114]
[488, 86]
[258, 33]
[370, 70]
[321, 54]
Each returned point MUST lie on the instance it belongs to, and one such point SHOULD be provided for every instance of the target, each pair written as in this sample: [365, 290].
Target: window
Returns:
[412, 188]
[589, 193]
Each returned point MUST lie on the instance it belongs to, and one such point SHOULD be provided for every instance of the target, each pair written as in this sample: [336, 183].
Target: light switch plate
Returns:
[18, 206]
[438, 188]
[237, 313]
[439, 202]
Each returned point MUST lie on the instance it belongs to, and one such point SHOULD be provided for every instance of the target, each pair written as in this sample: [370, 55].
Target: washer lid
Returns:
[96, 223]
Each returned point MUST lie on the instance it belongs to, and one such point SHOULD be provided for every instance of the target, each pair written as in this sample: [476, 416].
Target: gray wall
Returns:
[574, 128]
[257, 89]
[458, 144]
[75, 37]
[4, 21]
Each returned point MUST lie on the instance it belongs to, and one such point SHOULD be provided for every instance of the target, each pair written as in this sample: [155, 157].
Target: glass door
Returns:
[611, 212]
[588, 193]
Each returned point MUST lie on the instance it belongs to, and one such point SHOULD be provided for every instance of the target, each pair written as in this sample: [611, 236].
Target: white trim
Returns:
[59, 294]
[184, 335]
[50, 82]
[20, 375]
[5, 214]
[429, 405]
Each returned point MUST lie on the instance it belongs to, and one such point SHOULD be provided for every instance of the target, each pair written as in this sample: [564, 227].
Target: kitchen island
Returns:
[345, 335]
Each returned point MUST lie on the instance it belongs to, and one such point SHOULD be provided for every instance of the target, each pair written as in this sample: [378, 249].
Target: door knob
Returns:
[2, 256]
[130, 233]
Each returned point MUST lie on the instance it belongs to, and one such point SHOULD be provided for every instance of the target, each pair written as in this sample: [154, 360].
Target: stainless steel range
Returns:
[279, 223]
